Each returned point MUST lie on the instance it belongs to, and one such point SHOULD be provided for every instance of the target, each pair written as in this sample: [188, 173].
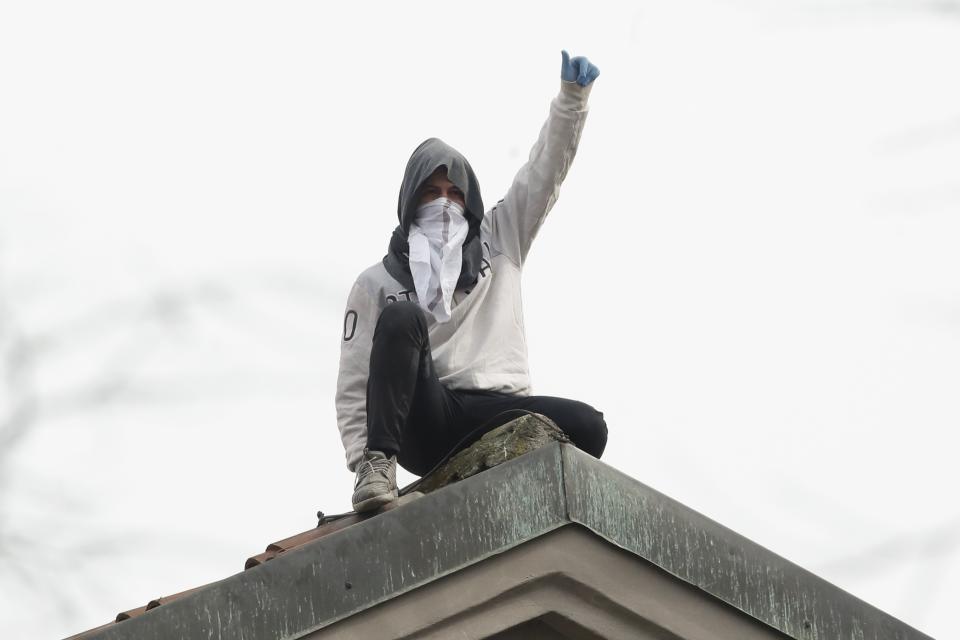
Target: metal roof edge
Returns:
[350, 570]
[717, 560]
[343, 573]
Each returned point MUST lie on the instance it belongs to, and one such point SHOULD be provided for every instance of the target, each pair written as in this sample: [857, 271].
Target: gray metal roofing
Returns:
[357, 567]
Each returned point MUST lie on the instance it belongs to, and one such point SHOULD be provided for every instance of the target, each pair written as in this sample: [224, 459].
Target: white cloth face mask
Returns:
[436, 240]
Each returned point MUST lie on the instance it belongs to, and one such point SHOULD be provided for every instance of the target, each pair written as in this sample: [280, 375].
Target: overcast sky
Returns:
[751, 270]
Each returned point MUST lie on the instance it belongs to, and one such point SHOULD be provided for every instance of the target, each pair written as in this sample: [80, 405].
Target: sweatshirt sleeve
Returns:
[359, 321]
[516, 219]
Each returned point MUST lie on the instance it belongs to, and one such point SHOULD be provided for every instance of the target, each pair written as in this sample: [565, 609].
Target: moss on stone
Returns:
[508, 441]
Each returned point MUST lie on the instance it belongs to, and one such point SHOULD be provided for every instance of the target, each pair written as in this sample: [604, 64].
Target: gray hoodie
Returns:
[483, 345]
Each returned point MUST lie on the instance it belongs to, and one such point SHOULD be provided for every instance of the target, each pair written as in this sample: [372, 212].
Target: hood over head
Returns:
[427, 158]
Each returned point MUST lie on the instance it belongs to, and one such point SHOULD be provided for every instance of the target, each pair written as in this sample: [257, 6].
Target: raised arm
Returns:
[516, 219]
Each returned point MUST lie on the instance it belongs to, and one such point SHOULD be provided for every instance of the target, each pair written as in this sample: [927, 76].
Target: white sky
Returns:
[751, 270]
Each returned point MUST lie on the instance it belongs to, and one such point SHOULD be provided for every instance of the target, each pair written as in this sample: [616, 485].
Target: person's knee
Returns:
[400, 318]
[589, 429]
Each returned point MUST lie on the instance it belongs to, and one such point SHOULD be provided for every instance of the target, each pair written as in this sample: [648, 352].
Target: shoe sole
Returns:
[371, 504]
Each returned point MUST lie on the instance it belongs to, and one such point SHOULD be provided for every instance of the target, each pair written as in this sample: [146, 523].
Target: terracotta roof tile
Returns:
[325, 526]
[332, 524]
[90, 632]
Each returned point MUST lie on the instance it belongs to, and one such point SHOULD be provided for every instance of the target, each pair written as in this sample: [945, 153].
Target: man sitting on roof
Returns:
[433, 345]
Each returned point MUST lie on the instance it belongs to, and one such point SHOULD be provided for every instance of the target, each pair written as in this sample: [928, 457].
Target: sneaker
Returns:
[376, 483]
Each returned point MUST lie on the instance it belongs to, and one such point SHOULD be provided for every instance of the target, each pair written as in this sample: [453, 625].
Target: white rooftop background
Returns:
[752, 270]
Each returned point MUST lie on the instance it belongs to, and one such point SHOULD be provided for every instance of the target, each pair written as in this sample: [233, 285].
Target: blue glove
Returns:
[579, 70]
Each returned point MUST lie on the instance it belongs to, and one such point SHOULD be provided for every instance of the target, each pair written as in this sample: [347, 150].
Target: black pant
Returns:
[409, 412]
